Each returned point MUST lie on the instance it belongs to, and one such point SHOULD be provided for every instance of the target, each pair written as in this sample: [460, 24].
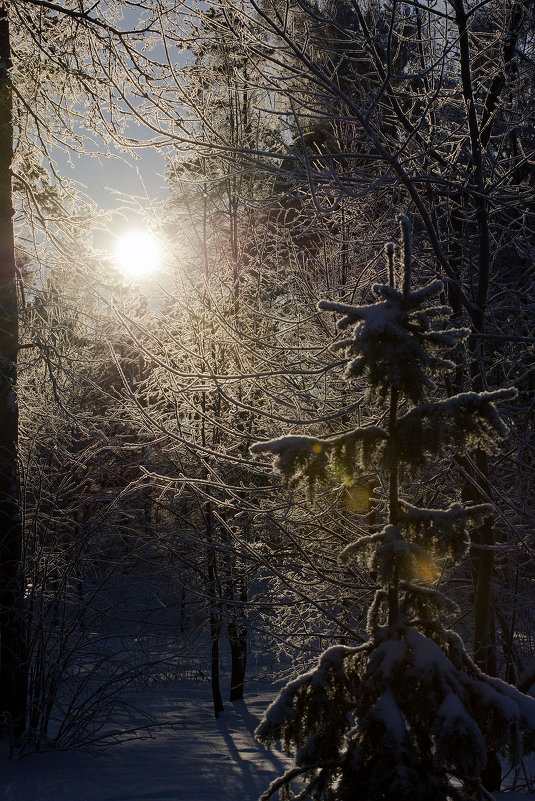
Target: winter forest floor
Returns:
[189, 757]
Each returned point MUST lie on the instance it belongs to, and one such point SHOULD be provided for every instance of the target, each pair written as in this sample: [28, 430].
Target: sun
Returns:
[137, 254]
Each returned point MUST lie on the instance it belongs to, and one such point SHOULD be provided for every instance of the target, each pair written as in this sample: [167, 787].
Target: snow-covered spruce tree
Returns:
[407, 714]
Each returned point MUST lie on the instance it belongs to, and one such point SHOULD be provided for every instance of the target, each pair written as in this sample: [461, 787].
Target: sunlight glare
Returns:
[137, 254]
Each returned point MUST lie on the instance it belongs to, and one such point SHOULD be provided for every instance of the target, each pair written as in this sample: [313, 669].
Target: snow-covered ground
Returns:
[190, 757]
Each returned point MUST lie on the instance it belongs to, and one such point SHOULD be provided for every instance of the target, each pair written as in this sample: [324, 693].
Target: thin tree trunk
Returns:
[238, 657]
[215, 625]
[393, 502]
[393, 481]
[482, 559]
[12, 634]
[214, 615]
[482, 565]
[237, 635]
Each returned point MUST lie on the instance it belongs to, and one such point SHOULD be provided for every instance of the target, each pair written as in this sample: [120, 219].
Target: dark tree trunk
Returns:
[214, 614]
[238, 656]
[237, 636]
[482, 559]
[182, 625]
[215, 672]
[482, 563]
[12, 635]
[477, 491]
[482, 566]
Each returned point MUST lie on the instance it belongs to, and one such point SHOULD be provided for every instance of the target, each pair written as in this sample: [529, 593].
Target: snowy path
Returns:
[191, 757]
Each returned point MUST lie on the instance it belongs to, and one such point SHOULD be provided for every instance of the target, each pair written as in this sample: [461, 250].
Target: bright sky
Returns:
[104, 178]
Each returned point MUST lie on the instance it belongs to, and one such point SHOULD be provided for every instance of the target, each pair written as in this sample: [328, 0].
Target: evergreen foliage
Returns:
[407, 714]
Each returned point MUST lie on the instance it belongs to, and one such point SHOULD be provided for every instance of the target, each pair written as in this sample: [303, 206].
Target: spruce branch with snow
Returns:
[407, 714]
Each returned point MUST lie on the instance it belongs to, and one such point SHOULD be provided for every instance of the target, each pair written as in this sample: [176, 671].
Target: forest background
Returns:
[140, 540]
